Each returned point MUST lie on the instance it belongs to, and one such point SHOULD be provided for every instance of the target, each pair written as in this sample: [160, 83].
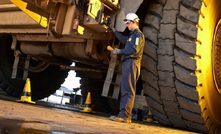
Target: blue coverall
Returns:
[131, 64]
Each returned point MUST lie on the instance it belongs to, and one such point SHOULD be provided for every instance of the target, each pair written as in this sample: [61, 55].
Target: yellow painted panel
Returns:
[38, 18]
[94, 7]
[80, 30]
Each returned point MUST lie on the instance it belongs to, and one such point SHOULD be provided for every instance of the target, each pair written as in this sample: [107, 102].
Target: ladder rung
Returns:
[112, 83]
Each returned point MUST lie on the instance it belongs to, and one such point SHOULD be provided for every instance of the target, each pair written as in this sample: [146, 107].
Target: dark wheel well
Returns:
[42, 83]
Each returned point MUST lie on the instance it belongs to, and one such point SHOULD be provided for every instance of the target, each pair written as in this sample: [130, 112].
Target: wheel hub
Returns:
[217, 57]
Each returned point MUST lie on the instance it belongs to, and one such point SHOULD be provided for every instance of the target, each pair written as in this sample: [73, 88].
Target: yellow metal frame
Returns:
[38, 18]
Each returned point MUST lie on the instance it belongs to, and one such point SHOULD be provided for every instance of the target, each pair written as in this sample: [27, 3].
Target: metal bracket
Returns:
[25, 72]
[14, 42]
[16, 66]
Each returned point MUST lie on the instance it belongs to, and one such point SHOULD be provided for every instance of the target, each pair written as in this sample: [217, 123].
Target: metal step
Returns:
[109, 81]
[16, 67]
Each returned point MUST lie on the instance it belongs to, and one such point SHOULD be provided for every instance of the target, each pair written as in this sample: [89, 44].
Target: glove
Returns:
[112, 28]
[115, 51]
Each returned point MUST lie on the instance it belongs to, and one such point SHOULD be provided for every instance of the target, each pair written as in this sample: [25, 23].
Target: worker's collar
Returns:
[131, 32]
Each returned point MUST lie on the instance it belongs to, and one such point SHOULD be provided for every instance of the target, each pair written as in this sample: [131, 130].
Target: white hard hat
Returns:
[131, 17]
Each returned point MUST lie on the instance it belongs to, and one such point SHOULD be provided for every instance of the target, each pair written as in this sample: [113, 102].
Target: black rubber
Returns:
[173, 80]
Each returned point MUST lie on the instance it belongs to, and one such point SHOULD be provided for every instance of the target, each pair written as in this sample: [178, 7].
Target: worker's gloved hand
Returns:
[116, 51]
[112, 28]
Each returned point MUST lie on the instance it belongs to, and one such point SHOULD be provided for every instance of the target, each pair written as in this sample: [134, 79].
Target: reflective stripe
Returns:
[137, 41]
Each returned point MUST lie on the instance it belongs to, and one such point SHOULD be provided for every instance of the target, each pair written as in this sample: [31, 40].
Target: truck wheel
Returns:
[181, 63]
[43, 83]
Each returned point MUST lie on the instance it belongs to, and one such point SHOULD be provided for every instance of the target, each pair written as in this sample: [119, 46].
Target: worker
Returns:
[131, 64]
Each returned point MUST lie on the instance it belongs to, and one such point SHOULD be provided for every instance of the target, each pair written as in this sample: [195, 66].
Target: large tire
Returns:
[43, 83]
[178, 64]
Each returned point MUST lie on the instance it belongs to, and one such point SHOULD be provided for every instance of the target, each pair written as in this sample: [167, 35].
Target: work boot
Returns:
[120, 119]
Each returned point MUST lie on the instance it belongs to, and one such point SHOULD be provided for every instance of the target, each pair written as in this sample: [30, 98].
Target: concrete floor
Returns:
[22, 118]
